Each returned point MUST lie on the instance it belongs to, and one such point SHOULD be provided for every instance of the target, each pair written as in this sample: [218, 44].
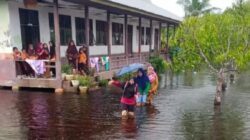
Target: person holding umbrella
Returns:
[143, 83]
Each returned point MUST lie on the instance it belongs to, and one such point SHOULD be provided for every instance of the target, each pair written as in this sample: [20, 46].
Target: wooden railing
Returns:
[22, 65]
[116, 62]
[119, 61]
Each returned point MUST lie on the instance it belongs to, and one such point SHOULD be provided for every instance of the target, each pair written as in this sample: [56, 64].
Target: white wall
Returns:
[95, 14]
[4, 28]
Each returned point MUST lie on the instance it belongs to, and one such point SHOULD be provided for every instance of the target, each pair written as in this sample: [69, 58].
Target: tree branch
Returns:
[204, 57]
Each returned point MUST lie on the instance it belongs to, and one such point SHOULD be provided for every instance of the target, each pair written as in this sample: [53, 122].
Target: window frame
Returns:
[29, 24]
[80, 31]
[117, 30]
[148, 35]
[101, 33]
[81, 34]
[65, 29]
[142, 35]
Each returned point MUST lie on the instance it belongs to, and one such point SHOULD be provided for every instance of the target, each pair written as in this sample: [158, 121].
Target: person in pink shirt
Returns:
[128, 100]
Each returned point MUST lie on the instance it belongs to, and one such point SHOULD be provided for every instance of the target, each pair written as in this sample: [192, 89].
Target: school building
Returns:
[126, 31]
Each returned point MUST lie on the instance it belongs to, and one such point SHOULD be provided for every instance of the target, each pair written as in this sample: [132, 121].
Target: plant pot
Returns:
[69, 77]
[63, 76]
[76, 77]
[83, 89]
[75, 83]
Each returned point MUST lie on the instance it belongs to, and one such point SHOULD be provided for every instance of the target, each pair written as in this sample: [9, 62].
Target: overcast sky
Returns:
[171, 5]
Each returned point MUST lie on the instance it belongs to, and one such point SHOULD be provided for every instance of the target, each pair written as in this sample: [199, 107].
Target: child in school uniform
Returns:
[128, 100]
[82, 62]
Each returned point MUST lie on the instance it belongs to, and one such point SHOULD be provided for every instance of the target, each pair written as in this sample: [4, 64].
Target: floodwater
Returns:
[182, 111]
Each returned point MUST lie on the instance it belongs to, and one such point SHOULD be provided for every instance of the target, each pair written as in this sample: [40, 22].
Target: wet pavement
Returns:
[182, 111]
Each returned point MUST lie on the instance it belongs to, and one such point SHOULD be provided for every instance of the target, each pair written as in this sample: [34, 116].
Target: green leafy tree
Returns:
[196, 7]
[220, 41]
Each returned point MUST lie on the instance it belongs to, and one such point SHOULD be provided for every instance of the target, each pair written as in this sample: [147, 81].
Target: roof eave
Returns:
[135, 10]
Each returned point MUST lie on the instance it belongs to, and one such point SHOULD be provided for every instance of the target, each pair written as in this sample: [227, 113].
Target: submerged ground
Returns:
[183, 111]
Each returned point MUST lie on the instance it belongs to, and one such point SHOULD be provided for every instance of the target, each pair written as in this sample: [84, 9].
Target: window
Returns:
[65, 29]
[101, 33]
[80, 31]
[117, 34]
[142, 35]
[64, 26]
[148, 33]
[29, 23]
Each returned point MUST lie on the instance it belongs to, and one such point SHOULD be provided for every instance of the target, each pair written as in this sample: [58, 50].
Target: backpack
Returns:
[129, 90]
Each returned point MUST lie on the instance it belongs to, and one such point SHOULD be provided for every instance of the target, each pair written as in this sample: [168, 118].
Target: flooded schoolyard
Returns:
[184, 110]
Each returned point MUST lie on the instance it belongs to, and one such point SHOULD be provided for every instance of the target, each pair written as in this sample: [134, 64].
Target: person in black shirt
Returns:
[128, 100]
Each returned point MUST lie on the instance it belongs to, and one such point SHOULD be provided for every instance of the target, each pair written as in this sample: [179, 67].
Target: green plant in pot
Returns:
[84, 83]
[67, 72]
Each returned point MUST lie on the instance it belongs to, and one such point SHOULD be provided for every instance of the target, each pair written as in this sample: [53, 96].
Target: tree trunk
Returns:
[221, 86]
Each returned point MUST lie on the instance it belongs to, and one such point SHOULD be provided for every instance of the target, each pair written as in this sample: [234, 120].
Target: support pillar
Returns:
[167, 33]
[159, 39]
[140, 33]
[167, 47]
[174, 29]
[57, 43]
[109, 38]
[86, 9]
[151, 36]
[126, 37]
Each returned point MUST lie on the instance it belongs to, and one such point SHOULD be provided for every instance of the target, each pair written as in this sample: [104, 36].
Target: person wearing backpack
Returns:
[128, 100]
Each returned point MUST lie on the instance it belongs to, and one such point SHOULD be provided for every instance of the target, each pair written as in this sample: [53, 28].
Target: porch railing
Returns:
[119, 61]
[116, 62]
[25, 70]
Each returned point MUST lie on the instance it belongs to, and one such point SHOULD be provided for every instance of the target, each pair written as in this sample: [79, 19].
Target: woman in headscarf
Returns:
[42, 51]
[153, 78]
[72, 54]
[31, 52]
[46, 52]
[143, 83]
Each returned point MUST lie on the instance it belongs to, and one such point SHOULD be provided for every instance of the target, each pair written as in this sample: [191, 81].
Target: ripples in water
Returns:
[182, 111]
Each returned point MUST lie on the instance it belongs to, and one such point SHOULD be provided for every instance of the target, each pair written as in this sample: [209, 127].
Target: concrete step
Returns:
[68, 88]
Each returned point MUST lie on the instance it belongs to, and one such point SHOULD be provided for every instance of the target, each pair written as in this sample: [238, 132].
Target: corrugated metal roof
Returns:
[148, 7]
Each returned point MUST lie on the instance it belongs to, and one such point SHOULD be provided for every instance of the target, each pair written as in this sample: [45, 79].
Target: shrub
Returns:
[66, 69]
[103, 83]
[160, 64]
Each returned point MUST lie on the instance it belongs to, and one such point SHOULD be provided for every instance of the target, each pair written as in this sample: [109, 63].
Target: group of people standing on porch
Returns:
[25, 58]
[138, 91]
[42, 51]
[78, 59]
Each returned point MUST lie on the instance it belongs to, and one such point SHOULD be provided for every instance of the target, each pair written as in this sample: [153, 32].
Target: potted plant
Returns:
[84, 83]
[66, 70]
